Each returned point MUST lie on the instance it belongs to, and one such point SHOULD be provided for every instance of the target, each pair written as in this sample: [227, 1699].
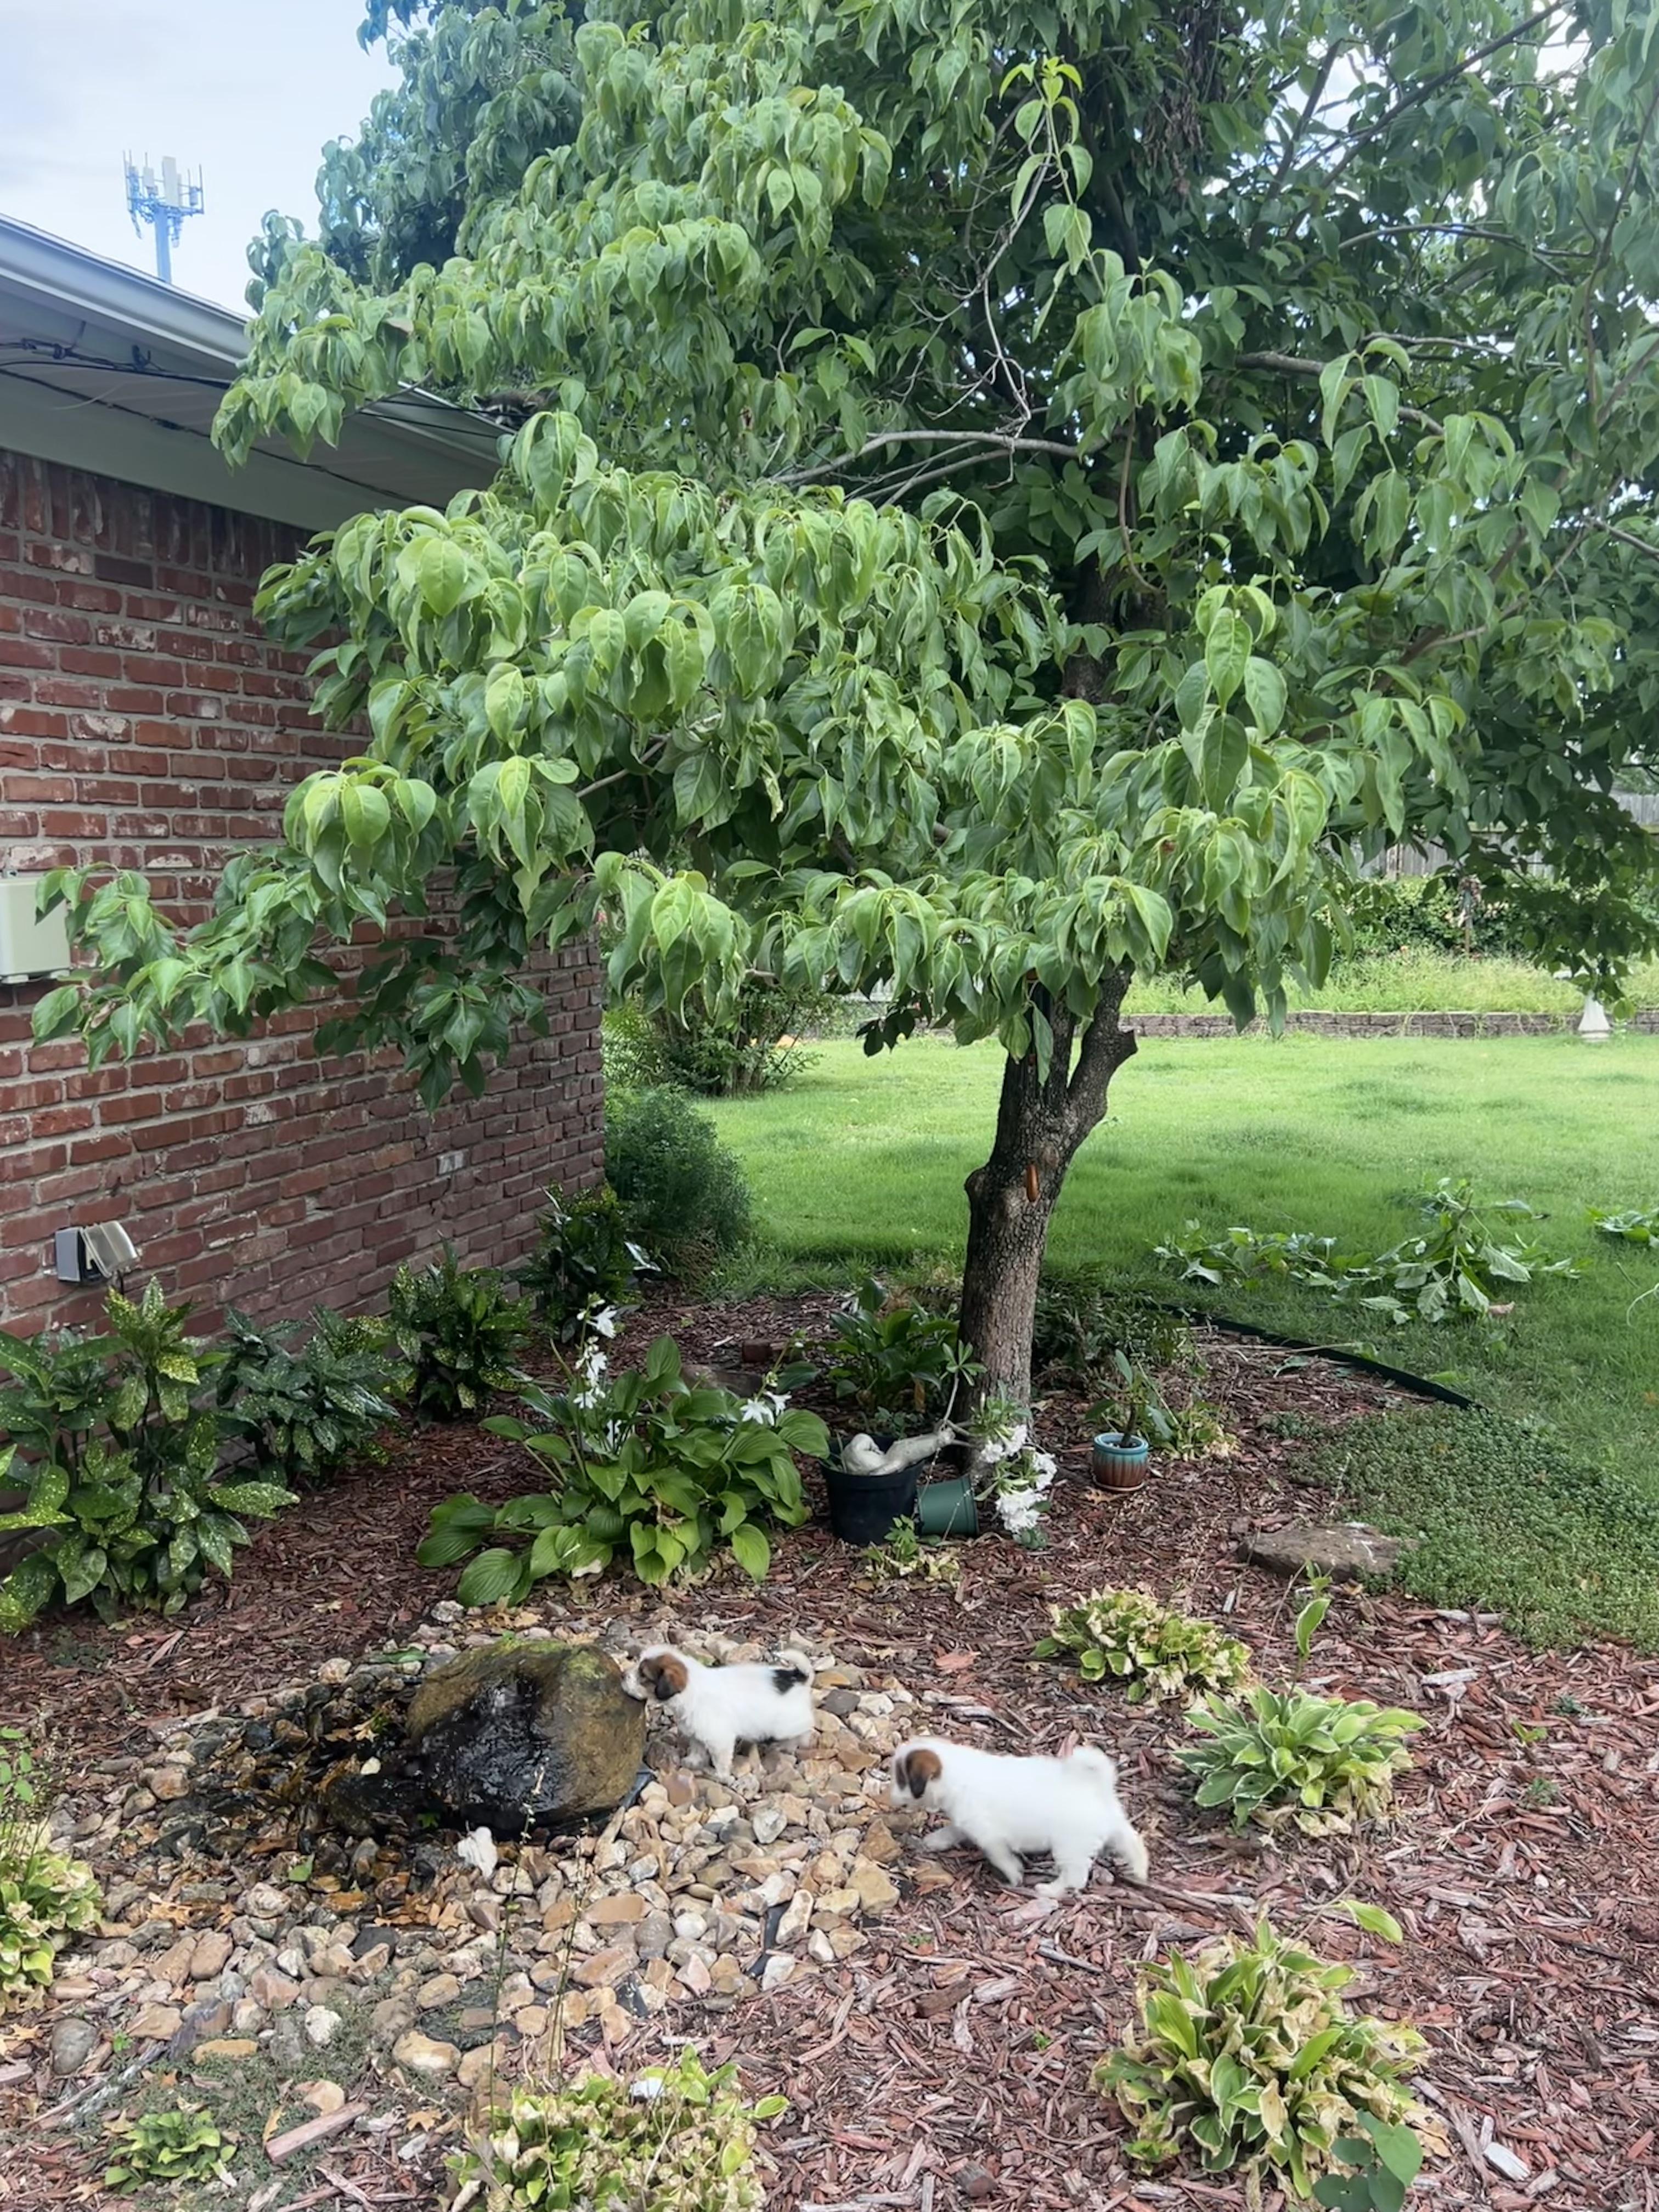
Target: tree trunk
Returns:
[1011, 1199]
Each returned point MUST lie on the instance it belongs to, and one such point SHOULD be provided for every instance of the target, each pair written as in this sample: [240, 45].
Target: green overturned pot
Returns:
[948, 1508]
[1121, 1462]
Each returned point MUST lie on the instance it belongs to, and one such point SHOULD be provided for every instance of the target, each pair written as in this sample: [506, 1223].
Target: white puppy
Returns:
[718, 1708]
[1007, 1807]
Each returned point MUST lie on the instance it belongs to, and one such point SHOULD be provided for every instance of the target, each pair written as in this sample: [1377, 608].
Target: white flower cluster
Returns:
[1024, 1475]
[764, 1407]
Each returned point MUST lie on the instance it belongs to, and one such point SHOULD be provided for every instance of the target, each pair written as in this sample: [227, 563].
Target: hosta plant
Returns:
[1248, 2056]
[1635, 1226]
[461, 1333]
[673, 2139]
[184, 2144]
[640, 1465]
[1274, 1756]
[1124, 1635]
[45, 1897]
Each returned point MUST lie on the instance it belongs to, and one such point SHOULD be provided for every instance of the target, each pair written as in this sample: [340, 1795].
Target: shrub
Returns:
[303, 1415]
[1248, 2055]
[460, 1333]
[675, 2139]
[1126, 1636]
[584, 1256]
[897, 1362]
[181, 2145]
[119, 1457]
[641, 1461]
[45, 1896]
[683, 1194]
[1457, 1269]
[1324, 1763]
[754, 1048]
[1399, 913]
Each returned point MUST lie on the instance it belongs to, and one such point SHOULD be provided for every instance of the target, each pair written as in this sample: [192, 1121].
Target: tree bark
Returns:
[1011, 1199]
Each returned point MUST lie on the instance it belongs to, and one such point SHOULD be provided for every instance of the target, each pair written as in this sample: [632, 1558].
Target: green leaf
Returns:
[1372, 1919]
[753, 1552]
[443, 577]
[493, 1576]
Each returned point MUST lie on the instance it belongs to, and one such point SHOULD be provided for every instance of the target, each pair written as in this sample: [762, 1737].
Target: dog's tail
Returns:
[1096, 1764]
[792, 1667]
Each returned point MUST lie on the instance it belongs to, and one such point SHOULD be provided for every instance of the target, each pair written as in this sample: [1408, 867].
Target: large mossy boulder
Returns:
[523, 1735]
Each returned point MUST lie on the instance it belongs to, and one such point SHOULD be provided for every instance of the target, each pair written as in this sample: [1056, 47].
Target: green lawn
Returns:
[1417, 981]
[863, 1160]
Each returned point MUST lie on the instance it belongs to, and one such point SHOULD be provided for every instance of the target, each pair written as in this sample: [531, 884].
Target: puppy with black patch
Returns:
[1011, 1808]
[718, 1708]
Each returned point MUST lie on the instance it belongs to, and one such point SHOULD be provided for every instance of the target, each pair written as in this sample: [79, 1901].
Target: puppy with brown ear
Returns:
[718, 1708]
[1008, 1808]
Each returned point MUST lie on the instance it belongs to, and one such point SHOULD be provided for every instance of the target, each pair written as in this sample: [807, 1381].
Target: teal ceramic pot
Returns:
[1120, 1464]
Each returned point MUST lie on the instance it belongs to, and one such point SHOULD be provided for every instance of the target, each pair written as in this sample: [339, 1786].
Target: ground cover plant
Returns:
[1126, 1636]
[1285, 1757]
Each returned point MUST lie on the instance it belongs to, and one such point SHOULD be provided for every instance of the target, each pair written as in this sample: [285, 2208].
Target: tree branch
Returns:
[1419, 94]
[1290, 364]
[994, 440]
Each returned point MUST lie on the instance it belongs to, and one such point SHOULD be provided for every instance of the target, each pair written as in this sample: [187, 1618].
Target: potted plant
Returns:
[872, 1482]
[1123, 1447]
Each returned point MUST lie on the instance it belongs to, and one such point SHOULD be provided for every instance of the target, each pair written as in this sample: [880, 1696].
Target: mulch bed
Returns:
[950, 2064]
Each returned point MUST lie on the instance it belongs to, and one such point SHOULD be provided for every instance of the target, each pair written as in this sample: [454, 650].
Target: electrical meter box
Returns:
[30, 947]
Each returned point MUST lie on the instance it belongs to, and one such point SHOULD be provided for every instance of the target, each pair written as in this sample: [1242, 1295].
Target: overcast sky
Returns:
[245, 90]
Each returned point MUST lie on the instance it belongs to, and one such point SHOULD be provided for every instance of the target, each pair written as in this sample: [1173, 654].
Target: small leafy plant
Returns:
[584, 1258]
[117, 1457]
[1383, 2160]
[674, 2139]
[305, 1413]
[1273, 1757]
[183, 2144]
[44, 1895]
[1247, 2055]
[895, 1360]
[902, 1554]
[1124, 1635]
[1458, 1267]
[640, 1464]
[460, 1333]
[1079, 1327]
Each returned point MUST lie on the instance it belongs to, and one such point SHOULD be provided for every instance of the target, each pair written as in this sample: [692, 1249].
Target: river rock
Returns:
[519, 1735]
[1351, 1551]
[73, 2042]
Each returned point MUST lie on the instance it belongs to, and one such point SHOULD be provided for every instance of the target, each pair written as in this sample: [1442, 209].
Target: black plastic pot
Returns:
[865, 1509]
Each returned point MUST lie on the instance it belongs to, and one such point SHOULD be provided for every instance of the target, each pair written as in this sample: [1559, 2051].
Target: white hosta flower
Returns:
[757, 1409]
[478, 1850]
[604, 1323]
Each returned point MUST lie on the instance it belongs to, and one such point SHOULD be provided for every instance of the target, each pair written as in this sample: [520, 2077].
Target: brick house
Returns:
[145, 720]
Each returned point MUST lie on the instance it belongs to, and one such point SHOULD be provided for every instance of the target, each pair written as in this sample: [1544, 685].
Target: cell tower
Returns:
[164, 205]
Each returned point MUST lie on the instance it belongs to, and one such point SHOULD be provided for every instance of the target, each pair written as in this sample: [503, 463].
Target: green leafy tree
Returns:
[994, 500]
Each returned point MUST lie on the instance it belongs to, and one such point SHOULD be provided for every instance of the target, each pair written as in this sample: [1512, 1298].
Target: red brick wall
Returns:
[146, 721]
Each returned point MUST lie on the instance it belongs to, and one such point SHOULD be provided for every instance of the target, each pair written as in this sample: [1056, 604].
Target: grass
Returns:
[1417, 981]
[862, 1163]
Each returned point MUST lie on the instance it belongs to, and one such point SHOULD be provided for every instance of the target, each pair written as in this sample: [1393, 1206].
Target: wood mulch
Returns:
[949, 2064]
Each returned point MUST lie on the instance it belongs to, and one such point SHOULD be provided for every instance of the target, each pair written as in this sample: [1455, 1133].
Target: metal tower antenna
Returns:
[164, 203]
